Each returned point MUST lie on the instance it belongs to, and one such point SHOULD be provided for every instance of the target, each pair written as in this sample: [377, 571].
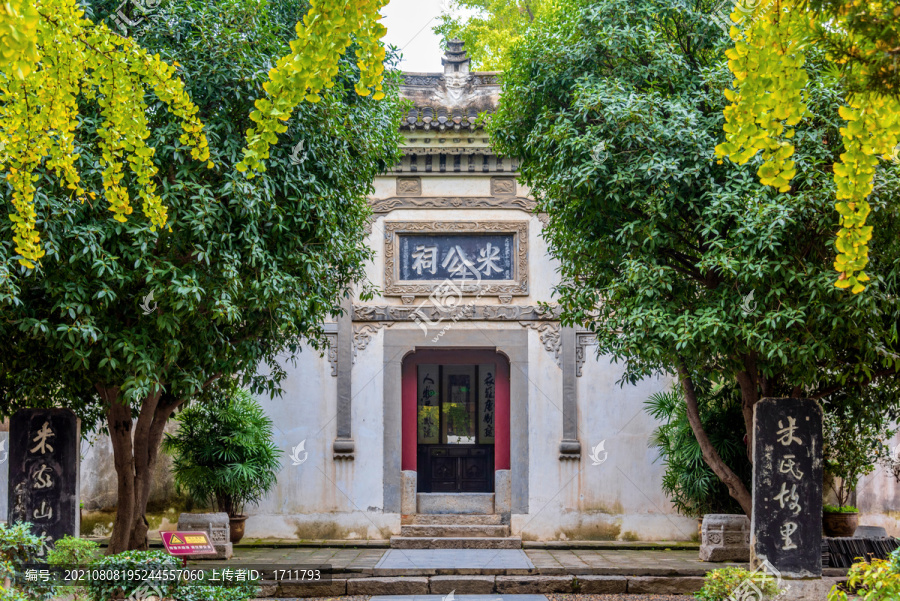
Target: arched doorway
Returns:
[455, 418]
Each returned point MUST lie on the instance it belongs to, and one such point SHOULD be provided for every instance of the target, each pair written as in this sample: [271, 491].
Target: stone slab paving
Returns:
[396, 561]
[459, 598]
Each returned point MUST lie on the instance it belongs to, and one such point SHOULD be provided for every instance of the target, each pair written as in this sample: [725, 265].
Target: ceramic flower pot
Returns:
[236, 524]
[840, 524]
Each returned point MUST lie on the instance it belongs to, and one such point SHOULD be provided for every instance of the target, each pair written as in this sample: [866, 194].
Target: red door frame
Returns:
[409, 407]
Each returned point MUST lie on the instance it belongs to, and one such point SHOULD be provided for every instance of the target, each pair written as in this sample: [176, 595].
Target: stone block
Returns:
[503, 492]
[388, 586]
[725, 537]
[529, 585]
[861, 531]
[408, 483]
[809, 590]
[467, 502]
[462, 585]
[664, 585]
[602, 585]
[266, 590]
[215, 525]
[334, 588]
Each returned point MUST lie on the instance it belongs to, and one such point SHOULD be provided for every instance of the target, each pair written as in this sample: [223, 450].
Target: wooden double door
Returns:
[455, 423]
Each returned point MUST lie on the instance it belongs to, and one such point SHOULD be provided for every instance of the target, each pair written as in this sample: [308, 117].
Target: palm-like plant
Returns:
[693, 487]
[223, 454]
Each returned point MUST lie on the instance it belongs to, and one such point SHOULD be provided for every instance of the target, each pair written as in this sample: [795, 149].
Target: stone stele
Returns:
[215, 525]
[725, 537]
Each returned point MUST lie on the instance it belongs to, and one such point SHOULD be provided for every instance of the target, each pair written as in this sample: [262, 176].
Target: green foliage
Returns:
[241, 592]
[19, 547]
[493, 27]
[842, 509]
[249, 270]
[693, 487]
[123, 587]
[720, 584]
[223, 453]
[854, 442]
[73, 551]
[659, 246]
[876, 580]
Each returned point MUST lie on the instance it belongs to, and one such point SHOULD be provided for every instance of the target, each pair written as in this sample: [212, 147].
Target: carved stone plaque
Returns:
[505, 186]
[467, 257]
[409, 186]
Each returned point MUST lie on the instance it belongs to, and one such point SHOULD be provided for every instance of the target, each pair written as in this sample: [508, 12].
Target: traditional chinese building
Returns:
[454, 392]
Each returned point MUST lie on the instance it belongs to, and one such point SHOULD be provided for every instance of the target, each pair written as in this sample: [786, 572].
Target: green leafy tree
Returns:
[490, 27]
[124, 324]
[680, 264]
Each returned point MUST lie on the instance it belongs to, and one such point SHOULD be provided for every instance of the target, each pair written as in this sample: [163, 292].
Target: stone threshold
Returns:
[270, 543]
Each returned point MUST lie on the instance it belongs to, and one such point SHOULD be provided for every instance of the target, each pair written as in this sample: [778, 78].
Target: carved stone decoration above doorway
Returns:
[363, 334]
[550, 337]
[503, 257]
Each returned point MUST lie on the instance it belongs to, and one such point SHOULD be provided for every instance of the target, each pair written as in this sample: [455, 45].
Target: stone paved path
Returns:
[550, 562]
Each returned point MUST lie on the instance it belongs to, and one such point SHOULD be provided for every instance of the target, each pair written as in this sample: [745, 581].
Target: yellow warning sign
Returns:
[176, 540]
[195, 540]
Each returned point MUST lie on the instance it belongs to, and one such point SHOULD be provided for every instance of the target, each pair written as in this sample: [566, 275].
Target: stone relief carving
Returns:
[386, 205]
[503, 185]
[518, 286]
[409, 185]
[332, 352]
[550, 337]
[582, 341]
[381, 313]
[363, 334]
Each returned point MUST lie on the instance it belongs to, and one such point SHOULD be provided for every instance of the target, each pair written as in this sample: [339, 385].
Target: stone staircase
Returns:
[455, 521]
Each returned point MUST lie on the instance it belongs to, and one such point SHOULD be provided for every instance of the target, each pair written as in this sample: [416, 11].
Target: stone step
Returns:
[454, 530]
[456, 519]
[458, 542]
[466, 502]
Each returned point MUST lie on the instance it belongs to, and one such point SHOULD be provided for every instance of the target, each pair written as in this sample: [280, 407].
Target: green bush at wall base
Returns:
[721, 584]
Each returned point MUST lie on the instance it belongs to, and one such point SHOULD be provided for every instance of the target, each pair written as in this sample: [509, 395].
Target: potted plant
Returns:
[852, 448]
[223, 454]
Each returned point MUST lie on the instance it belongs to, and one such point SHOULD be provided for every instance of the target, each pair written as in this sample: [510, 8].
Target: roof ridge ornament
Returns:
[456, 60]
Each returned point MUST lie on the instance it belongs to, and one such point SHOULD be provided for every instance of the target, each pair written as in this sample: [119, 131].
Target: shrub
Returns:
[73, 551]
[240, 592]
[127, 564]
[721, 584]
[694, 488]
[835, 509]
[18, 548]
[223, 454]
[878, 580]
[70, 551]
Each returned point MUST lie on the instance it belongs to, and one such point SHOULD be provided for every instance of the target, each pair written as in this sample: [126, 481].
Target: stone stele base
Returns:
[217, 528]
[725, 537]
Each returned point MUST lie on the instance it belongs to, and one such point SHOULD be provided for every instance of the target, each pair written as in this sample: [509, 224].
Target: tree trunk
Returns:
[135, 451]
[118, 416]
[736, 488]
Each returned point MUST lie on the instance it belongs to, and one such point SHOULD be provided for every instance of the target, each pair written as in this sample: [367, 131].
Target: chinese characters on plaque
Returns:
[43, 471]
[486, 375]
[454, 256]
[787, 486]
[428, 406]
